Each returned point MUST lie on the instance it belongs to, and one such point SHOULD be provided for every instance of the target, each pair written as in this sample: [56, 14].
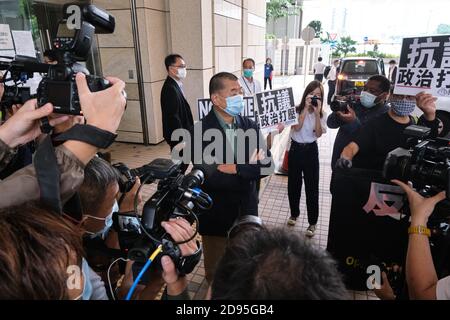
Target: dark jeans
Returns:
[265, 83]
[331, 90]
[304, 159]
[318, 77]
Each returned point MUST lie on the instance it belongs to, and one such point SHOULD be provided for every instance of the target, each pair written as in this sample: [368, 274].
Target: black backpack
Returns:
[326, 71]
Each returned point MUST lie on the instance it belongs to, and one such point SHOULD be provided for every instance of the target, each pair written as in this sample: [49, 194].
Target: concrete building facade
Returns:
[211, 35]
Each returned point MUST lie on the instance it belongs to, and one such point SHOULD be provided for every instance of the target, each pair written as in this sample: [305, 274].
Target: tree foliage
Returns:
[317, 26]
[281, 8]
[345, 45]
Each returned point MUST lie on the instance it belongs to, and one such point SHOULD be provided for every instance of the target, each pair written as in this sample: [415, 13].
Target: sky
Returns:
[384, 20]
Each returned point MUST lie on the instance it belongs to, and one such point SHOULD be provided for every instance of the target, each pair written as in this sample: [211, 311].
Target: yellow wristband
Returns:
[419, 230]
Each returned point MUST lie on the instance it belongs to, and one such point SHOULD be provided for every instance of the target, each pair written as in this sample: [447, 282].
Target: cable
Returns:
[109, 278]
[144, 269]
[136, 199]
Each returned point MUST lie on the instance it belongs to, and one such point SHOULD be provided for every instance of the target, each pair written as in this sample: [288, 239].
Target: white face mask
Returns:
[182, 73]
[108, 223]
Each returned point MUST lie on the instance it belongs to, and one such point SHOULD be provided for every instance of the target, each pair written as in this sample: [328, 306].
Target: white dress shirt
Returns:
[307, 133]
[319, 68]
[250, 88]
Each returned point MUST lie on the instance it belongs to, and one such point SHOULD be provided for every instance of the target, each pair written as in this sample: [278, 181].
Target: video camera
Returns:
[71, 45]
[177, 195]
[348, 97]
[426, 164]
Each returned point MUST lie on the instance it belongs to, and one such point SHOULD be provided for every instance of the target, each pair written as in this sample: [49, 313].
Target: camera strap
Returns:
[46, 164]
[91, 135]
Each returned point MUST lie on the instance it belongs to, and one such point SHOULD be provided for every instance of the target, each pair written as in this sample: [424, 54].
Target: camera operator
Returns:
[98, 196]
[41, 257]
[371, 105]
[420, 272]
[386, 133]
[102, 109]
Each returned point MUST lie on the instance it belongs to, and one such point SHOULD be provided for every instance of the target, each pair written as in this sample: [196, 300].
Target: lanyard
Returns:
[254, 86]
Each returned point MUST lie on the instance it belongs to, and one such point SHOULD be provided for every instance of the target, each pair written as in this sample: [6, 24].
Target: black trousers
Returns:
[265, 83]
[331, 90]
[304, 160]
[318, 77]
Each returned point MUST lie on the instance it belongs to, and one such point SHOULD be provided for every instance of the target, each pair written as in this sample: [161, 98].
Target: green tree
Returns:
[281, 8]
[344, 46]
[317, 26]
[443, 29]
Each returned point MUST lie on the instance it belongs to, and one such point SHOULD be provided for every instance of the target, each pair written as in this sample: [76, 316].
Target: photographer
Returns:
[102, 109]
[304, 155]
[372, 104]
[41, 257]
[420, 272]
[386, 133]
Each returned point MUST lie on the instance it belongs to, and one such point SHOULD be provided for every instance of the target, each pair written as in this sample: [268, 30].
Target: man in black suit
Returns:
[238, 164]
[176, 112]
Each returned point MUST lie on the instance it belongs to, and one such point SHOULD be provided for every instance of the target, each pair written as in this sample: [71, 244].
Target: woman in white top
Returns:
[304, 155]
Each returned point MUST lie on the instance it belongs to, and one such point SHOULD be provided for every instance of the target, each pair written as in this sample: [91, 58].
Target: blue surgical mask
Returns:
[87, 285]
[235, 105]
[368, 99]
[108, 223]
[248, 73]
[403, 107]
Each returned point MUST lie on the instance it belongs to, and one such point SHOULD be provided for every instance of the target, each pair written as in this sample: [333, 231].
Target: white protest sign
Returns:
[276, 107]
[424, 66]
[6, 42]
[23, 40]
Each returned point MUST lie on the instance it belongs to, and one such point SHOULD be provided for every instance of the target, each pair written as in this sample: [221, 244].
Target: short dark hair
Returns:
[98, 176]
[51, 55]
[392, 61]
[249, 59]
[276, 264]
[383, 83]
[320, 59]
[171, 59]
[36, 247]
[216, 82]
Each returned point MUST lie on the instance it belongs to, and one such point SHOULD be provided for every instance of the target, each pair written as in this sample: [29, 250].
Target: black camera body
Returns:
[426, 164]
[71, 45]
[348, 98]
[177, 195]
[314, 101]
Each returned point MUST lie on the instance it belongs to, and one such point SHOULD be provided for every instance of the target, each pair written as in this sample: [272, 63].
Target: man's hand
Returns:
[261, 155]
[427, 103]
[227, 168]
[102, 109]
[24, 126]
[179, 230]
[344, 163]
[127, 204]
[421, 208]
[347, 117]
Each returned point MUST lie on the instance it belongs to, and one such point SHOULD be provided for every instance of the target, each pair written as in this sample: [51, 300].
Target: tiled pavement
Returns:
[273, 206]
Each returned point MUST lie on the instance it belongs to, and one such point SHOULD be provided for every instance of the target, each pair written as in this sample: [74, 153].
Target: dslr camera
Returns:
[177, 195]
[71, 45]
[348, 97]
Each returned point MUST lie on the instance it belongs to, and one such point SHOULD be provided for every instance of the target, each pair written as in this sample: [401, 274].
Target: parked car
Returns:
[353, 73]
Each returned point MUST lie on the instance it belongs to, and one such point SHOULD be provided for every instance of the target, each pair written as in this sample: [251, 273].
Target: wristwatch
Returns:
[419, 230]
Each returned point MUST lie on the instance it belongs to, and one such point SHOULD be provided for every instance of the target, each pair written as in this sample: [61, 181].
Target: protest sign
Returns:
[424, 66]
